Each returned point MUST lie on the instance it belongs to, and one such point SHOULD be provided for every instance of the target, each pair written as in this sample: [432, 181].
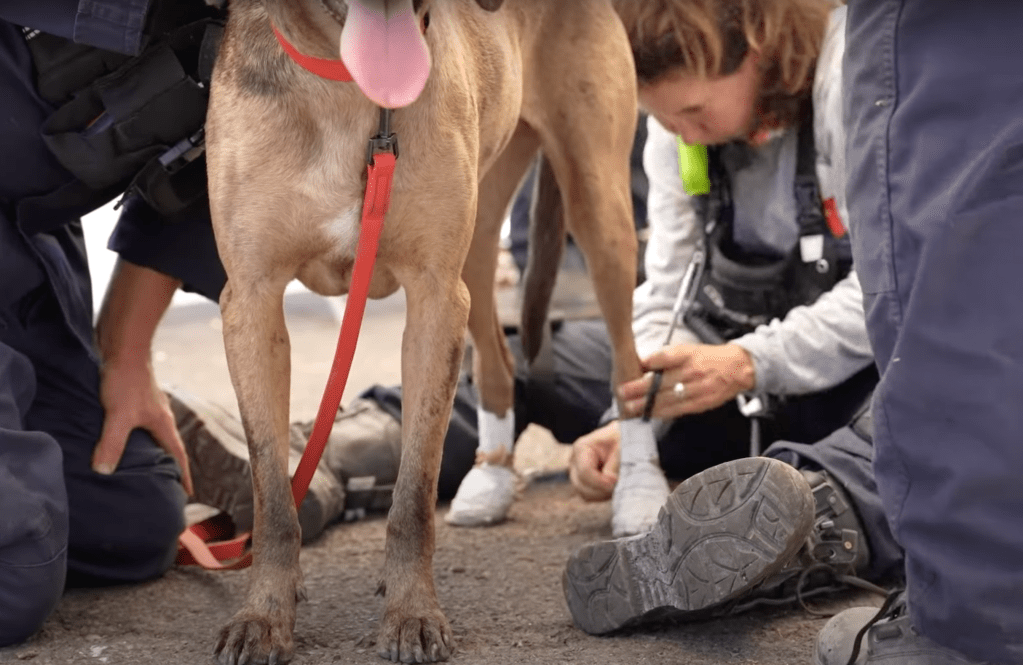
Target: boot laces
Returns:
[888, 609]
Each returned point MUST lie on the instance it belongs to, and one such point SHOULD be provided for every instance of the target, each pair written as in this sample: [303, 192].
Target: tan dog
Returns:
[287, 160]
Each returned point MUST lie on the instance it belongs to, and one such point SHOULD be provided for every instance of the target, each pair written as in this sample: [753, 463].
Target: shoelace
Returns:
[886, 609]
[840, 578]
[802, 594]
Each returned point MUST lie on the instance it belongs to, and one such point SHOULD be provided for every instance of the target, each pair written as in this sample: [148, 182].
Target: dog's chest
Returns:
[336, 193]
[328, 269]
[341, 231]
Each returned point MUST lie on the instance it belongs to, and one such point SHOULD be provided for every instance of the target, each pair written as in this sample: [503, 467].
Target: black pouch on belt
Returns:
[139, 127]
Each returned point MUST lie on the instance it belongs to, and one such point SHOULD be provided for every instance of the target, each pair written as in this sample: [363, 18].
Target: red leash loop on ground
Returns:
[195, 547]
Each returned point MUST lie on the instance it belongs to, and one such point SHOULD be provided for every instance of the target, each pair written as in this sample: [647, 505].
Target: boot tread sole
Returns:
[721, 533]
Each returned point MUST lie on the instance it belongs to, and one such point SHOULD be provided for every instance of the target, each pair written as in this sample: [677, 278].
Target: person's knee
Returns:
[29, 592]
[159, 536]
[154, 539]
[33, 510]
[127, 535]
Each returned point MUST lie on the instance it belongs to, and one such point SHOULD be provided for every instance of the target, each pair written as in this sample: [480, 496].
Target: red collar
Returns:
[333, 70]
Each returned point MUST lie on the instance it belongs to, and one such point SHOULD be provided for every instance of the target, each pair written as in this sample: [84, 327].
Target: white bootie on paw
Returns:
[484, 497]
[641, 489]
[488, 490]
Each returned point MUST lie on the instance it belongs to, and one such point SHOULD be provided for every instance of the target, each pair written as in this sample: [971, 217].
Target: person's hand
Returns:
[136, 299]
[593, 467]
[711, 374]
[132, 399]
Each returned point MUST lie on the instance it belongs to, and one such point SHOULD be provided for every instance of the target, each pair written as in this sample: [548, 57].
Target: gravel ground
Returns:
[500, 587]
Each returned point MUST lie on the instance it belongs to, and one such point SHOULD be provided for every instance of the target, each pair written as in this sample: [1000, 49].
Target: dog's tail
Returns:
[546, 247]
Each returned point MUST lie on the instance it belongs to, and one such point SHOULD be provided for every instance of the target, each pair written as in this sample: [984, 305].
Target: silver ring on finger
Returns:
[678, 390]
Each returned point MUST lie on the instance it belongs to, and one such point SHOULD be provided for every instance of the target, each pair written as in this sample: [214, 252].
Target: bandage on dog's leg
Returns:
[641, 489]
[495, 432]
[488, 490]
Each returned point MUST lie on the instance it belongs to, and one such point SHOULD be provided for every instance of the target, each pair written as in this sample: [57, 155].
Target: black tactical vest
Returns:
[129, 123]
[740, 290]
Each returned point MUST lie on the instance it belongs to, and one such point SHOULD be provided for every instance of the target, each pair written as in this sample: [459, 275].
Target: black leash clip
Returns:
[651, 395]
[385, 140]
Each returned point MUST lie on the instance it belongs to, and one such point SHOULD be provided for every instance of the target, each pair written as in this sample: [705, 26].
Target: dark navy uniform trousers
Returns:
[934, 111]
[58, 519]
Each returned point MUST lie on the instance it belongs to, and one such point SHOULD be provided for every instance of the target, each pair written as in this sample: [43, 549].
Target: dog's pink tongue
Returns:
[385, 51]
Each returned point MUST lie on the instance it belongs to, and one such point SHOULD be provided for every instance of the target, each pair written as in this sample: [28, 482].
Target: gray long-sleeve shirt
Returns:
[814, 347]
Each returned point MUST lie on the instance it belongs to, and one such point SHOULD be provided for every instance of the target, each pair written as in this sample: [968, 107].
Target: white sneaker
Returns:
[486, 493]
[638, 496]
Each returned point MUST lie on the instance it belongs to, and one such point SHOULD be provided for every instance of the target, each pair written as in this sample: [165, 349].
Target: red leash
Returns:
[195, 546]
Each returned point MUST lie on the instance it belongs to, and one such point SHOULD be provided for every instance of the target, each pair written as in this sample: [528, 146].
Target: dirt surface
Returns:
[500, 587]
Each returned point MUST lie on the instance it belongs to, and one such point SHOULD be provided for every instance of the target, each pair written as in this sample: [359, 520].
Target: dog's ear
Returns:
[490, 5]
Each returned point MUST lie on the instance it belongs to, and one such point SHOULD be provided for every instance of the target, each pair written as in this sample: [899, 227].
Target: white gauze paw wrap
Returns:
[488, 490]
[641, 489]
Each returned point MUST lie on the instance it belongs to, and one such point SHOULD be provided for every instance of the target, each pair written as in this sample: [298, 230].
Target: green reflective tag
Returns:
[692, 167]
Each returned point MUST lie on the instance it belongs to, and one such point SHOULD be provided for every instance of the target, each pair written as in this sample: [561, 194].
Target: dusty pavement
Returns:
[500, 587]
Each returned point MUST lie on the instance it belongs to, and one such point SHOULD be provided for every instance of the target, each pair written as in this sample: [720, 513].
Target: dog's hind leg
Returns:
[547, 238]
[258, 354]
[588, 129]
[599, 215]
[594, 181]
[487, 492]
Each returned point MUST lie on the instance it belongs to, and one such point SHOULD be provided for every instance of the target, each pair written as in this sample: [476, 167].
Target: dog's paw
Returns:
[423, 637]
[253, 639]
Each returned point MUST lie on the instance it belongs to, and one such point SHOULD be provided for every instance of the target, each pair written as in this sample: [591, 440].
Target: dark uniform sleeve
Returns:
[115, 25]
[183, 248]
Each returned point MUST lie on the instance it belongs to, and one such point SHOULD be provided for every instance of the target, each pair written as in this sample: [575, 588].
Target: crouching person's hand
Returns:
[132, 399]
[593, 467]
[136, 299]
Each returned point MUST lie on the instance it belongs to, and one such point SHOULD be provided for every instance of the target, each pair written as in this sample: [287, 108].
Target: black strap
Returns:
[807, 190]
[211, 38]
[717, 204]
[806, 148]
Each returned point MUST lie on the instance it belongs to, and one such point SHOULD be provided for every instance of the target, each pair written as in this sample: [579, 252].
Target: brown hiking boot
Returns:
[219, 458]
[363, 452]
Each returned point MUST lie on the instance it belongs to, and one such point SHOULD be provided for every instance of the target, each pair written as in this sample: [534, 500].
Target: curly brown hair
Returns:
[711, 38]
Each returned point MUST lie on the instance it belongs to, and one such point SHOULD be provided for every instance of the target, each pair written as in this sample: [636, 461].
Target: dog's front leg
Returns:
[259, 358]
[414, 629]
